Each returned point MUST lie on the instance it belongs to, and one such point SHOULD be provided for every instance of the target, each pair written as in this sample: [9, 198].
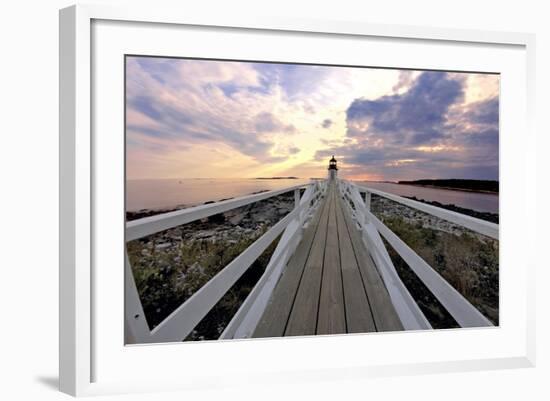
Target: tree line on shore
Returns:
[462, 184]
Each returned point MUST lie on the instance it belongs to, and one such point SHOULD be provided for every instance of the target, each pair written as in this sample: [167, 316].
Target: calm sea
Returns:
[470, 200]
[169, 193]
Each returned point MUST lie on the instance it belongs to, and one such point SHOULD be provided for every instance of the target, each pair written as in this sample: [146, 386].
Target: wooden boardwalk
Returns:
[330, 285]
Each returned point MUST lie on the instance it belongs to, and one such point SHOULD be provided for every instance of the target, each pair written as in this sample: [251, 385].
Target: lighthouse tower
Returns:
[332, 169]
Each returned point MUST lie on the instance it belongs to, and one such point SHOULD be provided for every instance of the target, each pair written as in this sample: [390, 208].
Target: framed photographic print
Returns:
[302, 197]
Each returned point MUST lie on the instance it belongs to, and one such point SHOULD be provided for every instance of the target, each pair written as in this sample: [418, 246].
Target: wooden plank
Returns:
[244, 322]
[332, 315]
[405, 306]
[383, 312]
[183, 320]
[358, 310]
[303, 316]
[277, 312]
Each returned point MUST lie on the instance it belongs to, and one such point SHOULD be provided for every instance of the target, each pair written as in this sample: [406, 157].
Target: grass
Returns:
[468, 262]
[167, 278]
[170, 266]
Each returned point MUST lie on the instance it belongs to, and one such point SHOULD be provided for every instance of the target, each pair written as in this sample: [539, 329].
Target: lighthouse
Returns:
[332, 169]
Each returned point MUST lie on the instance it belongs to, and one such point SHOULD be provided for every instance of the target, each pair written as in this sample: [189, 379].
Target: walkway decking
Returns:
[330, 285]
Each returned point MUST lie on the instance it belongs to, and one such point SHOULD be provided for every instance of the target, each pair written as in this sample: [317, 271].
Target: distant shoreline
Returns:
[488, 216]
[478, 191]
[276, 178]
[154, 209]
[454, 184]
[461, 185]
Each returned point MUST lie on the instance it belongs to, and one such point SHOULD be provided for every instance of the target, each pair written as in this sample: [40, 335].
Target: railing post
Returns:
[297, 205]
[136, 329]
[367, 206]
[367, 200]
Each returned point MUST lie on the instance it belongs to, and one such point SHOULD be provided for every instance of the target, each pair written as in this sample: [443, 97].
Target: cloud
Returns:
[327, 123]
[296, 80]
[193, 101]
[425, 132]
[293, 150]
[484, 112]
[405, 80]
[276, 117]
[414, 117]
[267, 122]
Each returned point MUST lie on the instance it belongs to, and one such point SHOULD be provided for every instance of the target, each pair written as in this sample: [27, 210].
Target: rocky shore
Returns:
[387, 209]
[251, 220]
[492, 217]
[229, 227]
[467, 260]
[172, 265]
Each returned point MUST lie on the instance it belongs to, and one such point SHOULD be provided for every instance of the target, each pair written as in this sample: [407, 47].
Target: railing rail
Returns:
[184, 319]
[150, 225]
[181, 322]
[480, 226]
[406, 307]
[244, 322]
[465, 314]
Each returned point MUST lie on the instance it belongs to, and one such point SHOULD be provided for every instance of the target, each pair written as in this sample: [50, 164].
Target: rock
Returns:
[235, 220]
[204, 234]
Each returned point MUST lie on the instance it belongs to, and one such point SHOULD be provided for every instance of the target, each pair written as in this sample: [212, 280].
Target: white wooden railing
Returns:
[465, 314]
[185, 318]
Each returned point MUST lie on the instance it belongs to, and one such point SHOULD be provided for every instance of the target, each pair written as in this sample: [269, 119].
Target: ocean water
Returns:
[171, 193]
[482, 202]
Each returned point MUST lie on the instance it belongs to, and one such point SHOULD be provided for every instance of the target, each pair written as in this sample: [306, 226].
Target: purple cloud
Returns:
[425, 132]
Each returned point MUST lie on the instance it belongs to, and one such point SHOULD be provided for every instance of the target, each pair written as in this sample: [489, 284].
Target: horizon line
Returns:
[305, 178]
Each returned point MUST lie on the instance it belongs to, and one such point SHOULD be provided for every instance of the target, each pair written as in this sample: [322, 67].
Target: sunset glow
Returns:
[219, 119]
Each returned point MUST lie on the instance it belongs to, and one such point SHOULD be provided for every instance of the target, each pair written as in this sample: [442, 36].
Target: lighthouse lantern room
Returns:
[332, 169]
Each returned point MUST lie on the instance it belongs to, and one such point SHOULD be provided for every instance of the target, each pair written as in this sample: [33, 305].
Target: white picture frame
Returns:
[83, 352]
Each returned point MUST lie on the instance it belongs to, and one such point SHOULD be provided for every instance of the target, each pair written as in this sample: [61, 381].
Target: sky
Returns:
[221, 119]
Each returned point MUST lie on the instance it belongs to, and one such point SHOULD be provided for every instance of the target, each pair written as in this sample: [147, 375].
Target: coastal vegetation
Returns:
[167, 278]
[467, 260]
[170, 266]
[458, 184]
